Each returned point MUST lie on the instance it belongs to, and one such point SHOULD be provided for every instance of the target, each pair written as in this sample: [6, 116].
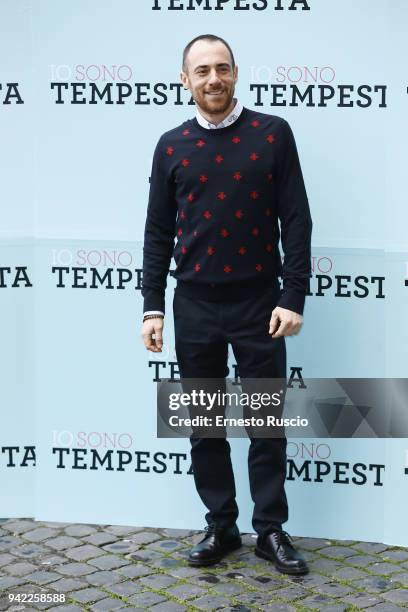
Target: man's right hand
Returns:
[153, 327]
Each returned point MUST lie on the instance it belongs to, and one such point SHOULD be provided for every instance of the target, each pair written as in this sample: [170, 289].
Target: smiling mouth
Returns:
[214, 93]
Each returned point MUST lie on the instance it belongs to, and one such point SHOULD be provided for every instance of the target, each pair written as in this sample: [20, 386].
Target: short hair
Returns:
[210, 37]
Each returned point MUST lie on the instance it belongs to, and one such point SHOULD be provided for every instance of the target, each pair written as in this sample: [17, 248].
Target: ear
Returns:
[235, 73]
[184, 79]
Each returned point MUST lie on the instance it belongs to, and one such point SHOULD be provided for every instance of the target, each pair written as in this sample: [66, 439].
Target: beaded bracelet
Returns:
[152, 316]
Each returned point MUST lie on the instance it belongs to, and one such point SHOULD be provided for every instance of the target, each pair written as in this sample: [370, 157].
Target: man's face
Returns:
[209, 76]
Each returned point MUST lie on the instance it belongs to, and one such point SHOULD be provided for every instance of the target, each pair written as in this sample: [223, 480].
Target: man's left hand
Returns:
[284, 322]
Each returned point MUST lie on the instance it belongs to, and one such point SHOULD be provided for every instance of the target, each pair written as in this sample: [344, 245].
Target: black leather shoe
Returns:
[277, 547]
[217, 542]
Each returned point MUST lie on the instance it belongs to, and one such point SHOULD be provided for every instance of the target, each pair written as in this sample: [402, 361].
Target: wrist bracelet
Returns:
[152, 316]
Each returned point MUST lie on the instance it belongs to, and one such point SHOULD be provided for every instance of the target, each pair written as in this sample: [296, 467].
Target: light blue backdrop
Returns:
[74, 191]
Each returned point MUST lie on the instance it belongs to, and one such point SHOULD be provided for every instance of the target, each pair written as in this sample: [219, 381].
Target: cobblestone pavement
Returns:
[107, 567]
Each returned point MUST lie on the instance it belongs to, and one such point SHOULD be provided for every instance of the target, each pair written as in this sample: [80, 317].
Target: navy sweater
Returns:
[228, 196]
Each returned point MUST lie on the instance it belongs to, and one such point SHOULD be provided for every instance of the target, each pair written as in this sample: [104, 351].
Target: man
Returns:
[221, 182]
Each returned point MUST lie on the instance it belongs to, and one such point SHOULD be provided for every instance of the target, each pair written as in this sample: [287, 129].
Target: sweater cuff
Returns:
[292, 300]
[153, 300]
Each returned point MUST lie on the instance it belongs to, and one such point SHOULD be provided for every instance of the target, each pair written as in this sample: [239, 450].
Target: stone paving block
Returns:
[229, 588]
[5, 559]
[49, 560]
[68, 608]
[167, 545]
[361, 600]
[17, 526]
[135, 570]
[121, 547]
[279, 607]
[104, 578]
[144, 537]
[183, 571]
[239, 574]
[335, 607]
[250, 558]
[341, 552]
[241, 608]
[157, 581]
[349, 573]
[108, 604]
[333, 589]
[122, 530]
[249, 539]
[125, 589]
[6, 582]
[168, 606]
[87, 551]
[398, 596]
[177, 533]
[272, 606]
[183, 553]
[9, 542]
[75, 569]
[327, 566]
[80, 530]
[384, 568]
[308, 580]
[362, 560]
[42, 577]
[311, 543]
[290, 593]
[19, 568]
[107, 562]
[195, 537]
[89, 594]
[63, 542]
[401, 578]
[167, 563]
[29, 551]
[205, 579]
[395, 555]
[39, 535]
[185, 591]
[144, 555]
[371, 548]
[100, 538]
[264, 583]
[55, 524]
[264, 601]
[384, 607]
[146, 599]
[64, 585]
[373, 584]
[317, 602]
[310, 555]
[211, 602]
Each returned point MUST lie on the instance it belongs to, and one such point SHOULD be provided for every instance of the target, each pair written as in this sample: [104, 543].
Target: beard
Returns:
[215, 104]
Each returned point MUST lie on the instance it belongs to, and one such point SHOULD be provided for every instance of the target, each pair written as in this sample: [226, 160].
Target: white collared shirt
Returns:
[233, 116]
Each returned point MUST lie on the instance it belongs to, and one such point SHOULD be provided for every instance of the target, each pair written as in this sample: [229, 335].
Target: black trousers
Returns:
[203, 330]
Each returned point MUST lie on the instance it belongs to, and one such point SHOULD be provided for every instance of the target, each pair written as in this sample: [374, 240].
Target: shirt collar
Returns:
[233, 116]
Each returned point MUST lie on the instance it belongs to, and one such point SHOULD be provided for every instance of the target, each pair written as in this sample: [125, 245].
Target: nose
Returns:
[214, 79]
